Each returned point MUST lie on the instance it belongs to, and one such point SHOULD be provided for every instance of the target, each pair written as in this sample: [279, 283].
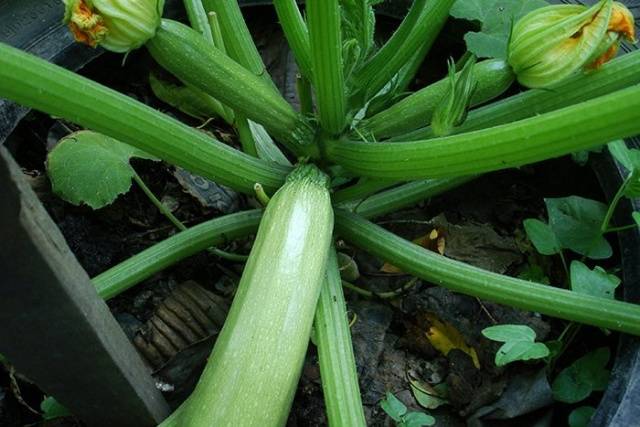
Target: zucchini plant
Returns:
[359, 147]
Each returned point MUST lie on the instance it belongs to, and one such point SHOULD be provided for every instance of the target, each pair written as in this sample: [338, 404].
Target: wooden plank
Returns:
[54, 328]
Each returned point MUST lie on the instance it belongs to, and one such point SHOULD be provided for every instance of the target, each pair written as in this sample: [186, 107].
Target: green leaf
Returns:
[542, 237]
[87, 167]
[427, 400]
[581, 416]
[582, 377]
[630, 159]
[506, 333]
[520, 350]
[636, 217]
[358, 23]
[418, 419]
[576, 222]
[596, 282]
[393, 407]
[519, 343]
[51, 409]
[496, 18]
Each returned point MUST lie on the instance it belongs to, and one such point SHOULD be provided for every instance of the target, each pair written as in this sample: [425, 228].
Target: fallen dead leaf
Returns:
[444, 337]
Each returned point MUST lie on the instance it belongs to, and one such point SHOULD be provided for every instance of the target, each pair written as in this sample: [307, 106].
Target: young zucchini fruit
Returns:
[252, 374]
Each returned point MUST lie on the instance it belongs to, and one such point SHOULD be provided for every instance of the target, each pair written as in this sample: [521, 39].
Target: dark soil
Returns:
[481, 224]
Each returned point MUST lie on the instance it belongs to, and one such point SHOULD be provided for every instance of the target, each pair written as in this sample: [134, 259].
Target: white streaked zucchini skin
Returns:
[252, 374]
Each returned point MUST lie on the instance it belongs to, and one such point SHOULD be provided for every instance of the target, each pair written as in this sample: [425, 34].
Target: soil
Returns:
[480, 223]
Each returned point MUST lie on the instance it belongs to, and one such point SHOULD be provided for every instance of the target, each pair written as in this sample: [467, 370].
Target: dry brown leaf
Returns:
[444, 337]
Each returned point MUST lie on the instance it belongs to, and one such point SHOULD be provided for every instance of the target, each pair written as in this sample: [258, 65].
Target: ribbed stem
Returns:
[421, 26]
[463, 278]
[38, 84]
[493, 77]
[408, 72]
[363, 189]
[560, 132]
[245, 136]
[618, 74]
[198, 18]
[238, 40]
[176, 248]
[295, 30]
[189, 57]
[218, 42]
[325, 35]
[402, 196]
[335, 352]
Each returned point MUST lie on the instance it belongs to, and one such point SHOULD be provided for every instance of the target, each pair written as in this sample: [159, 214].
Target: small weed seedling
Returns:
[519, 343]
[398, 413]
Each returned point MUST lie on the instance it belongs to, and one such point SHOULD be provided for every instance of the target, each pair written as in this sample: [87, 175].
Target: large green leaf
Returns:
[496, 19]
[576, 222]
[88, 167]
[582, 377]
[596, 282]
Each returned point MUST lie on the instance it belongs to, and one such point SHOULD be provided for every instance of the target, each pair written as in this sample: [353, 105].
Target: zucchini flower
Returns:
[116, 25]
[554, 42]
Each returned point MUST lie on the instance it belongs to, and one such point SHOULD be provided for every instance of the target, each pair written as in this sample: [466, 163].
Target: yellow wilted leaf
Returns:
[444, 337]
[433, 241]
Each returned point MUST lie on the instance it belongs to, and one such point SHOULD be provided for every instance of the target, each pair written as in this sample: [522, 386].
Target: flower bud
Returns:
[554, 42]
[116, 25]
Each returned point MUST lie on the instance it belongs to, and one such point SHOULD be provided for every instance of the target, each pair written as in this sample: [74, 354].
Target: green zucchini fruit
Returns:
[494, 76]
[253, 371]
[192, 59]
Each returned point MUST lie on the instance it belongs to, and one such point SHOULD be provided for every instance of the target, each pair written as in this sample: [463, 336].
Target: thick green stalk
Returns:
[363, 189]
[295, 30]
[408, 72]
[618, 74]
[326, 57]
[198, 18]
[189, 57]
[402, 196]
[414, 32]
[463, 278]
[560, 132]
[237, 38]
[335, 352]
[176, 248]
[37, 84]
[493, 76]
